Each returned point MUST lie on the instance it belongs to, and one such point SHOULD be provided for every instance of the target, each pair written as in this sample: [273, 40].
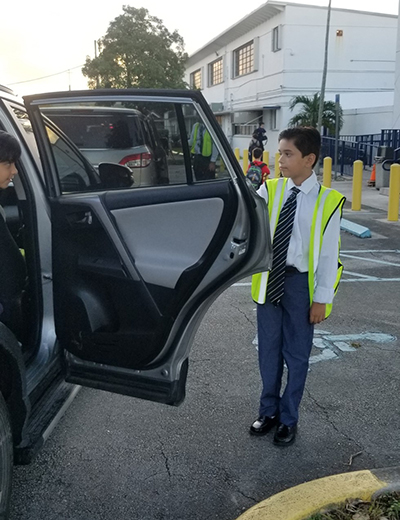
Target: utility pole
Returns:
[324, 73]
[325, 70]
[337, 109]
[95, 55]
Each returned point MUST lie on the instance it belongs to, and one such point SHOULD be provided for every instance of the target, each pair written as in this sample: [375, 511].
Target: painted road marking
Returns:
[354, 251]
[330, 344]
[383, 262]
[358, 277]
[345, 280]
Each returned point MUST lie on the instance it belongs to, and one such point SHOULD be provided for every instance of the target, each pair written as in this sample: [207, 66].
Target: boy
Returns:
[12, 265]
[257, 155]
[10, 152]
[298, 292]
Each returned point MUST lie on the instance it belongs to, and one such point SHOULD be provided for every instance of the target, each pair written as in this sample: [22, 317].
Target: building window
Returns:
[273, 120]
[244, 59]
[195, 79]
[276, 38]
[216, 72]
[245, 129]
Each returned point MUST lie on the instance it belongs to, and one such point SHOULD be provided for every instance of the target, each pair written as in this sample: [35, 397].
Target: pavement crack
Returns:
[248, 497]
[228, 479]
[166, 461]
[244, 314]
[326, 414]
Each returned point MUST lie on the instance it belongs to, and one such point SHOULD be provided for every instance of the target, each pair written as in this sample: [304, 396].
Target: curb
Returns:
[355, 229]
[299, 502]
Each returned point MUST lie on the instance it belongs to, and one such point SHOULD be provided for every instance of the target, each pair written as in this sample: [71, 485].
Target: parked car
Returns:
[118, 278]
[117, 135]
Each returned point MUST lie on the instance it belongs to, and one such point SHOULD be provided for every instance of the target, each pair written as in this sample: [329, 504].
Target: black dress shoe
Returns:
[263, 425]
[285, 435]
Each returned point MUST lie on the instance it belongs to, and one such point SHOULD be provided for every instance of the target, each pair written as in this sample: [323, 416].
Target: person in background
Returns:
[257, 162]
[203, 151]
[262, 133]
[253, 144]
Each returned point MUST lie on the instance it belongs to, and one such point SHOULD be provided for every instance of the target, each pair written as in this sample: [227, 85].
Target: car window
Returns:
[73, 172]
[99, 131]
[159, 143]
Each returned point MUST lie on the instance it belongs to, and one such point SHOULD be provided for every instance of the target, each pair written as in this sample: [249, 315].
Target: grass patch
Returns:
[385, 507]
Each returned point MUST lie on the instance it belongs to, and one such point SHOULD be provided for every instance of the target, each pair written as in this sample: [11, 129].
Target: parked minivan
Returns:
[115, 135]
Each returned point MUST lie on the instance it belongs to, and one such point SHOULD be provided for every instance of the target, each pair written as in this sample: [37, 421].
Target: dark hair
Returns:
[305, 138]
[255, 135]
[261, 123]
[10, 149]
[257, 153]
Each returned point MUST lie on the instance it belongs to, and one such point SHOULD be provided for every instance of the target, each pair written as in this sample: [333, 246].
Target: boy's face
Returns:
[7, 172]
[291, 162]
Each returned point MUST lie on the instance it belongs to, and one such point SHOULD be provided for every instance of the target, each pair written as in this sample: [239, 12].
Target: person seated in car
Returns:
[12, 266]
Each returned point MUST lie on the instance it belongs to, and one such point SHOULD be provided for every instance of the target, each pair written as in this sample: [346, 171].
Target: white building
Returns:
[252, 70]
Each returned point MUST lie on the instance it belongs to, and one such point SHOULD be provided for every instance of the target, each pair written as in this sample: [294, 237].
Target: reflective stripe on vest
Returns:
[328, 201]
[207, 143]
[276, 190]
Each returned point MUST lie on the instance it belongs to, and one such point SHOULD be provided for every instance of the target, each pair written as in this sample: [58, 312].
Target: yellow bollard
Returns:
[237, 154]
[327, 172]
[357, 185]
[245, 160]
[277, 170]
[266, 157]
[394, 191]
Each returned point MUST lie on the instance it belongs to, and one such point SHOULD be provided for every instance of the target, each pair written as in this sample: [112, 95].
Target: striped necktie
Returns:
[280, 248]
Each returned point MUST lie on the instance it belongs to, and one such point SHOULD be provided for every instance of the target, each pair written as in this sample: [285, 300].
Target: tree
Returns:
[137, 51]
[308, 115]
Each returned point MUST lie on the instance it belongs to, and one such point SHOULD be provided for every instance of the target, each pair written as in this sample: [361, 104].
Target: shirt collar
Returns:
[306, 186]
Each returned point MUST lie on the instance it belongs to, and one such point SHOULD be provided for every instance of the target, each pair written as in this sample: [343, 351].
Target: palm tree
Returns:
[308, 115]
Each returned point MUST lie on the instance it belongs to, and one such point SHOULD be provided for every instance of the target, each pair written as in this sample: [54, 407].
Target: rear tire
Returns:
[6, 460]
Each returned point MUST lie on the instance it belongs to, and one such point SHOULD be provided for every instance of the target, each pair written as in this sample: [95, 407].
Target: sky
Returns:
[45, 42]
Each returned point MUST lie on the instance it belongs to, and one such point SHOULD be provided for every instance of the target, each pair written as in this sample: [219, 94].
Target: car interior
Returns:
[19, 267]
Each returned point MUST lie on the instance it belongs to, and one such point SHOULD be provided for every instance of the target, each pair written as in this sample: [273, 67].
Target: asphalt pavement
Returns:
[116, 457]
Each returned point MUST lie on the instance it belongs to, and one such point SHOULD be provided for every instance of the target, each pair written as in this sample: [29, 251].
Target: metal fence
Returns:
[358, 147]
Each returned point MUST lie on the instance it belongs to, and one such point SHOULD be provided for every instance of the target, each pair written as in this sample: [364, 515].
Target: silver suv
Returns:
[118, 279]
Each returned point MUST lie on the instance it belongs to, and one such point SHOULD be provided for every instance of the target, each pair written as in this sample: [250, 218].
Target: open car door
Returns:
[141, 248]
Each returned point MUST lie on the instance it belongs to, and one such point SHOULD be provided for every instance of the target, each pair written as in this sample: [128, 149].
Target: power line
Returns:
[49, 76]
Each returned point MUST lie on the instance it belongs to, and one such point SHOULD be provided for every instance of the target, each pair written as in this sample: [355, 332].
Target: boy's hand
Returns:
[317, 312]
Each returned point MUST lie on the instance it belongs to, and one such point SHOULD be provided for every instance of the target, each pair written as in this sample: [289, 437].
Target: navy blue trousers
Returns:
[285, 334]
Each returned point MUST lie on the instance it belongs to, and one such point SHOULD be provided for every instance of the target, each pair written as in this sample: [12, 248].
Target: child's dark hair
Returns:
[10, 149]
[305, 138]
[257, 153]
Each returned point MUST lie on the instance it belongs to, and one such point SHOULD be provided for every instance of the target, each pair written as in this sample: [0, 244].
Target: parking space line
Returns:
[396, 251]
[366, 276]
[383, 262]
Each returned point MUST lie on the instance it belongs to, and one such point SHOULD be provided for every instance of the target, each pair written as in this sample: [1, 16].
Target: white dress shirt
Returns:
[299, 245]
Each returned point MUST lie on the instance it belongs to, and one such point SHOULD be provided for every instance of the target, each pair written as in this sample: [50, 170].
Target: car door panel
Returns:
[146, 231]
[134, 271]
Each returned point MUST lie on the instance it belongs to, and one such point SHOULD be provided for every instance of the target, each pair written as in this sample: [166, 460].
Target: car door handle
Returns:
[81, 218]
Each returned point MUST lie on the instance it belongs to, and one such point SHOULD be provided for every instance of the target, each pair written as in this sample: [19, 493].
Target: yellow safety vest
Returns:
[328, 201]
[207, 143]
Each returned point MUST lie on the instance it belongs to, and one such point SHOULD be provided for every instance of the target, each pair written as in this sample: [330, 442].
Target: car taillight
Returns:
[138, 160]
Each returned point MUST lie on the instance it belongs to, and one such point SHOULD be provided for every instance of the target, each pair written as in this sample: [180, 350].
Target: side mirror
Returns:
[113, 175]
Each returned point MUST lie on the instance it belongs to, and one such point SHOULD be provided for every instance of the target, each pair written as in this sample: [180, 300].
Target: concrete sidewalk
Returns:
[370, 196]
